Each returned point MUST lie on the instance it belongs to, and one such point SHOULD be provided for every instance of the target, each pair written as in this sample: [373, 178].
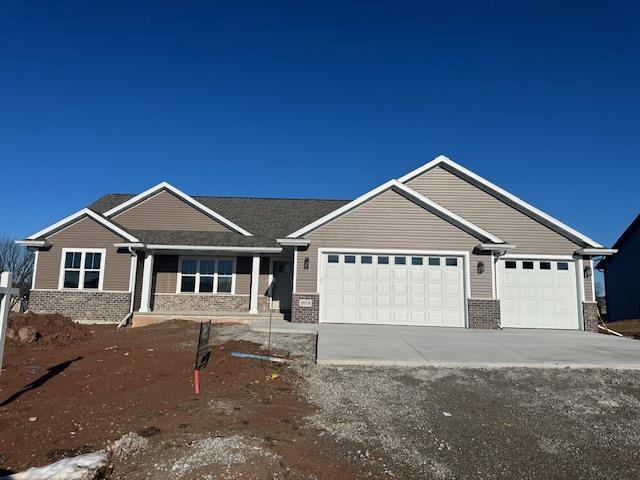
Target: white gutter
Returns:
[294, 242]
[32, 243]
[495, 247]
[597, 252]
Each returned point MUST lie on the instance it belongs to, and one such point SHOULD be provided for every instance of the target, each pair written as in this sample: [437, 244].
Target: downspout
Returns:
[495, 259]
[125, 321]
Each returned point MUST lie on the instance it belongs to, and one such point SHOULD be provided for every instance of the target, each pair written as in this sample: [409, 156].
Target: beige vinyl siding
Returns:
[390, 221]
[243, 275]
[165, 274]
[137, 296]
[263, 278]
[165, 211]
[490, 213]
[85, 233]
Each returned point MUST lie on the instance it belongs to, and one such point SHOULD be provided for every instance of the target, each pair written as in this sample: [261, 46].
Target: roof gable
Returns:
[502, 195]
[166, 211]
[408, 193]
[164, 186]
[77, 216]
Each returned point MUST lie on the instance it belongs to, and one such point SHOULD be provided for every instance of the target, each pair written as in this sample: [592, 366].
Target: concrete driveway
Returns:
[458, 347]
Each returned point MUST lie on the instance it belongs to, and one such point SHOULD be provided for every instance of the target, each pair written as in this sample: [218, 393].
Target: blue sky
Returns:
[318, 99]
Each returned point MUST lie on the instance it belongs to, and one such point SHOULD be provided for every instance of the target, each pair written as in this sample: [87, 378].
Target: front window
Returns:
[206, 275]
[82, 269]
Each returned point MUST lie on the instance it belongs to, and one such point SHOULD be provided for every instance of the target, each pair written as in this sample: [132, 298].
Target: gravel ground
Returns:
[472, 423]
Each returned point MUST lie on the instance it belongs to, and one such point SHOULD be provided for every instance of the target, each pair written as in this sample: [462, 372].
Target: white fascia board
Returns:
[344, 209]
[452, 217]
[210, 248]
[32, 243]
[187, 198]
[597, 252]
[78, 215]
[546, 219]
[293, 242]
[492, 247]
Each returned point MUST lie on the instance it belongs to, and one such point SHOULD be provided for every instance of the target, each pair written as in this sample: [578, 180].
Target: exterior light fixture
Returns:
[306, 263]
[587, 272]
[480, 268]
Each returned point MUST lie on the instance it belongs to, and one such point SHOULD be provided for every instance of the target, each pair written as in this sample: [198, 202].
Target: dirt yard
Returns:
[311, 422]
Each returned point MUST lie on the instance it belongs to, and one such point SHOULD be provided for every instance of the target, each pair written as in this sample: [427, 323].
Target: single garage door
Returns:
[538, 294]
[392, 289]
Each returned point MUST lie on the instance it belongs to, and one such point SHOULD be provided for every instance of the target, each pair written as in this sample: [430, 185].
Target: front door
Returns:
[283, 279]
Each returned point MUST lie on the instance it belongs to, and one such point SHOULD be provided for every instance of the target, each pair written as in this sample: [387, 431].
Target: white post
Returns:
[255, 279]
[5, 306]
[147, 277]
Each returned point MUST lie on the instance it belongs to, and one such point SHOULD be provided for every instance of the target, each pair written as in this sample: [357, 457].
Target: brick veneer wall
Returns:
[305, 314]
[181, 302]
[590, 316]
[82, 305]
[484, 313]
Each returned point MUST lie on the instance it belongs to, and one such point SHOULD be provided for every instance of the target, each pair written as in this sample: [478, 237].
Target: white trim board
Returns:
[183, 196]
[410, 194]
[505, 196]
[77, 216]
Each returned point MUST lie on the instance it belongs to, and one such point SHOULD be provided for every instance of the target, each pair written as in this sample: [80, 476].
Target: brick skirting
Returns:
[181, 302]
[484, 313]
[303, 313]
[590, 316]
[82, 305]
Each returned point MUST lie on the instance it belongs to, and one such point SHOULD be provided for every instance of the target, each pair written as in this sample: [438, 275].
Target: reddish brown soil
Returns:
[52, 329]
[88, 394]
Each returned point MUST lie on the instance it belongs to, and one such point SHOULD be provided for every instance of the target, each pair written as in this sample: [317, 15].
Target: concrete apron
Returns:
[383, 345]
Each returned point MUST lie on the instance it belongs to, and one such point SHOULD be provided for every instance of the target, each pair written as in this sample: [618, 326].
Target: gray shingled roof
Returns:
[213, 239]
[268, 218]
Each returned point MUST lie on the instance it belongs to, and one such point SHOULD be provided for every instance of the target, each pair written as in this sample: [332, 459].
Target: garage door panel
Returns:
[538, 297]
[413, 293]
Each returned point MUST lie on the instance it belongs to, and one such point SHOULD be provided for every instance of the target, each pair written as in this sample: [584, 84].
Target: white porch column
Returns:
[147, 274]
[255, 279]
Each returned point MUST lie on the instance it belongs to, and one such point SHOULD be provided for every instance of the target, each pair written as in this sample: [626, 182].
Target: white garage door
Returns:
[538, 294]
[392, 289]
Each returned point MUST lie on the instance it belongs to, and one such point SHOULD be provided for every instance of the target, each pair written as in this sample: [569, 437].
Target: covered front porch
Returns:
[221, 283]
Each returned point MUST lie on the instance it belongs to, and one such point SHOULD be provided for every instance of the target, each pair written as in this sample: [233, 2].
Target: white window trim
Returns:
[83, 252]
[215, 275]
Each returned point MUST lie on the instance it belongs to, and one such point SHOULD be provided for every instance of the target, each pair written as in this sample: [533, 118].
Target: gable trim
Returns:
[505, 196]
[74, 217]
[183, 196]
[410, 194]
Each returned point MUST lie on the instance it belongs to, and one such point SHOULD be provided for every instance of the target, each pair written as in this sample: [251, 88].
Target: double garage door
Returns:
[392, 289]
[429, 290]
[538, 294]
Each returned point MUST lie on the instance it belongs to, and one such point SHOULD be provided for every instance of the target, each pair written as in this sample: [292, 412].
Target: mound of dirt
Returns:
[34, 329]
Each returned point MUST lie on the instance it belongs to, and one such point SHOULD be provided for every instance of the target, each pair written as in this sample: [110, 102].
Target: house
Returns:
[438, 246]
[620, 270]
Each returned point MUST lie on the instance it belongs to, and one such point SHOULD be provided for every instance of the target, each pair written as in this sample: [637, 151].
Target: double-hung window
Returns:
[82, 269]
[206, 275]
